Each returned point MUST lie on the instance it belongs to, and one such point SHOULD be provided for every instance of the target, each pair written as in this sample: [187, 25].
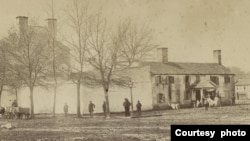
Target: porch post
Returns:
[201, 95]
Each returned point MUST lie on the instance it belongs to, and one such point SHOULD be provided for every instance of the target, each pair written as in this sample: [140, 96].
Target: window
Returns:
[198, 78]
[226, 79]
[160, 98]
[166, 80]
[171, 79]
[187, 79]
[214, 79]
[157, 79]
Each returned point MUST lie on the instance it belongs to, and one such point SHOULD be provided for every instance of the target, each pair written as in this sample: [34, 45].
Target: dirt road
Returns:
[120, 128]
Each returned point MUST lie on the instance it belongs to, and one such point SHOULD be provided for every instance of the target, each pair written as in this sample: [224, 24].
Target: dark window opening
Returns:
[215, 79]
[187, 79]
[171, 79]
[187, 95]
[226, 79]
[161, 98]
[157, 79]
[198, 78]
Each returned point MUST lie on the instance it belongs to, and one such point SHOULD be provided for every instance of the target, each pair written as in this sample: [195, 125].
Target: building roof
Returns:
[186, 68]
[243, 82]
[205, 84]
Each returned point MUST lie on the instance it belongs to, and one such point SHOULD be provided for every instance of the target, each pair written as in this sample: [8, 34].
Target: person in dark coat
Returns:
[233, 100]
[104, 108]
[91, 108]
[138, 107]
[126, 105]
[65, 109]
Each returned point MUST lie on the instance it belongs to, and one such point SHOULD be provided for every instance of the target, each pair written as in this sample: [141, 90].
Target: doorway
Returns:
[198, 94]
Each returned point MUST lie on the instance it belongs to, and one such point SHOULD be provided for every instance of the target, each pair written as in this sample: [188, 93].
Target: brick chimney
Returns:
[22, 23]
[52, 28]
[162, 54]
[217, 57]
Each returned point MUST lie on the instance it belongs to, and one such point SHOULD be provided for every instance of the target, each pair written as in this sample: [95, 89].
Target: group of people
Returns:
[91, 107]
[216, 102]
[127, 104]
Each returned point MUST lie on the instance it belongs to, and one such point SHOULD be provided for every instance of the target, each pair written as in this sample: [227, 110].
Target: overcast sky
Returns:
[191, 29]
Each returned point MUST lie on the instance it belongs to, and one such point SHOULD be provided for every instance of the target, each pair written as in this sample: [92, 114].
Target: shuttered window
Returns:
[157, 79]
[226, 79]
[198, 78]
[215, 79]
[171, 79]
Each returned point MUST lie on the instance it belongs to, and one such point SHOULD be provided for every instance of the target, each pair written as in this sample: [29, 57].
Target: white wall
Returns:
[243, 89]
[66, 92]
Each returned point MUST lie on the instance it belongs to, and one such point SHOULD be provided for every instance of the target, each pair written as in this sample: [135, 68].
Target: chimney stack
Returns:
[23, 23]
[52, 28]
[162, 54]
[217, 57]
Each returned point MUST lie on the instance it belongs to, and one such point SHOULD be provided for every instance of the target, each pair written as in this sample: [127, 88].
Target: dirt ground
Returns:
[119, 128]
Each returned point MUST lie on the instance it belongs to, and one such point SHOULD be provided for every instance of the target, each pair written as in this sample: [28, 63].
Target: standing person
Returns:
[206, 104]
[65, 109]
[91, 108]
[233, 99]
[104, 108]
[138, 106]
[126, 105]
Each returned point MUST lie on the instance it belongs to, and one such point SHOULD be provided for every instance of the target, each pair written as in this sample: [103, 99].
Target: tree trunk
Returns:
[78, 100]
[0, 98]
[107, 103]
[16, 97]
[31, 102]
[1, 90]
[54, 103]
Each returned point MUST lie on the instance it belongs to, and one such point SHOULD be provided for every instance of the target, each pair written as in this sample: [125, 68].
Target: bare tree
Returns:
[113, 53]
[60, 53]
[15, 84]
[3, 67]
[108, 51]
[29, 55]
[8, 76]
[78, 21]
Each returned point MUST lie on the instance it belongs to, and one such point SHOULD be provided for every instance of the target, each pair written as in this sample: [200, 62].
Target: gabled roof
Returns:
[206, 84]
[243, 82]
[186, 68]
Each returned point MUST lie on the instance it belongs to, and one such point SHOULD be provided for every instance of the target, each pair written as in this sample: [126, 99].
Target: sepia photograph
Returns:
[123, 70]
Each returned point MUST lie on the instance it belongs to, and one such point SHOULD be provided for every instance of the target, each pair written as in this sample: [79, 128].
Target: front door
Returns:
[198, 94]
